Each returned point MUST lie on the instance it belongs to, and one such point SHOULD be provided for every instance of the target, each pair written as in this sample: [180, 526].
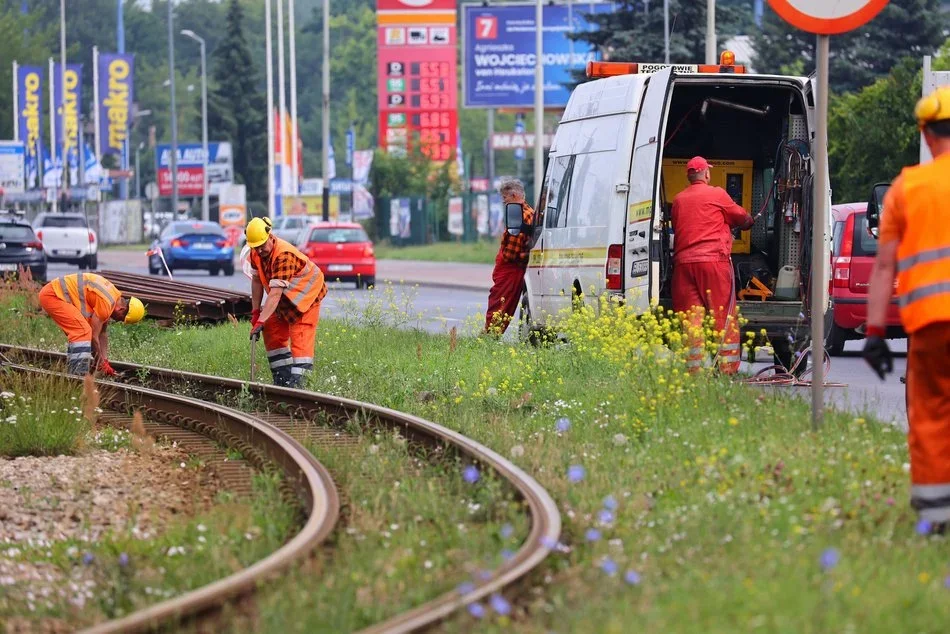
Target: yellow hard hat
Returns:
[933, 107]
[257, 231]
[136, 311]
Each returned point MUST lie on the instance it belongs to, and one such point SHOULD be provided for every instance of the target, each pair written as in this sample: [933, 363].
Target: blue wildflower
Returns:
[470, 474]
[507, 554]
[477, 610]
[924, 527]
[500, 605]
[465, 588]
[829, 558]
[946, 583]
[549, 542]
[563, 424]
[576, 473]
[88, 558]
[610, 503]
[507, 531]
[609, 566]
[606, 517]
[632, 577]
[123, 560]
[592, 535]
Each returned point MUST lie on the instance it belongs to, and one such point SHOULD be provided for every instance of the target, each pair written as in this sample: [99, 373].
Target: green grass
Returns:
[481, 252]
[725, 500]
[40, 416]
[86, 583]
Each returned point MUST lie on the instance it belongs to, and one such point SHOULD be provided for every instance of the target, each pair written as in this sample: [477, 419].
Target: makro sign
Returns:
[29, 115]
[67, 111]
[499, 52]
[116, 79]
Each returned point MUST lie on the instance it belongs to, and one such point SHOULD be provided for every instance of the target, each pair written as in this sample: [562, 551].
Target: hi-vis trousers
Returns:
[928, 415]
[77, 329]
[290, 346]
[707, 287]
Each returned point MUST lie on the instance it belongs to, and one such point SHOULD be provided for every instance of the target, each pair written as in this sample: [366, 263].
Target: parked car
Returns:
[192, 245]
[67, 237]
[343, 252]
[852, 258]
[19, 246]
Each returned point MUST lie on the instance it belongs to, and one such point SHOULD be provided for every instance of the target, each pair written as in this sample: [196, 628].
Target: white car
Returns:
[67, 237]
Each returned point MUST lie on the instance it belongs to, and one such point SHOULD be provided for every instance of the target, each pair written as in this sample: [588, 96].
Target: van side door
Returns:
[641, 260]
[555, 292]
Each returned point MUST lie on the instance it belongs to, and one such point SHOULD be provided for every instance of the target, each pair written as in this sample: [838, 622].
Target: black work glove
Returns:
[256, 331]
[878, 356]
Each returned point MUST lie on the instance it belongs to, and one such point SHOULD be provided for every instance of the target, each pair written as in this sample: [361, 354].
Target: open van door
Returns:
[810, 109]
[641, 260]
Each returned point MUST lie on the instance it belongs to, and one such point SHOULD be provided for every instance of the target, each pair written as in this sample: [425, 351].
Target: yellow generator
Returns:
[733, 176]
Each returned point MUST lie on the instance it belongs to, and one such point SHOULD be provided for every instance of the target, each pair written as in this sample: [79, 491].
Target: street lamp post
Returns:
[174, 112]
[138, 181]
[205, 209]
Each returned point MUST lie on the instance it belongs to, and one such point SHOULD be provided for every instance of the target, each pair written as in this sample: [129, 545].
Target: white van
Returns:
[618, 159]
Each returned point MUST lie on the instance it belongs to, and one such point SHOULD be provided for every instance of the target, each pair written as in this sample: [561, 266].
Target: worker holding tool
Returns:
[703, 218]
[82, 304]
[510, 264]
[914, 246]
[288, 319]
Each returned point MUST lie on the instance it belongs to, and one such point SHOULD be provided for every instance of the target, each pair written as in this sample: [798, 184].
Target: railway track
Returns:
[299, 415]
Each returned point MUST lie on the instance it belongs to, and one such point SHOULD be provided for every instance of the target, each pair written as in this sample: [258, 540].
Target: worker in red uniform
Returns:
[703, 219]
[914, 246]
[289, 318]
[82, 304]
[510, 264]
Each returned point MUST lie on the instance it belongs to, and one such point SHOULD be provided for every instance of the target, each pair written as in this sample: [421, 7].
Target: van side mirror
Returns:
[514, 218]
[875, 206]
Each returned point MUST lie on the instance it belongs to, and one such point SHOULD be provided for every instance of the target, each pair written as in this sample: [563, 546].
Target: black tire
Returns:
[229, 269]
[92, 261]
[835, 338]
[367, 282]
[152, 269]
[212, 271]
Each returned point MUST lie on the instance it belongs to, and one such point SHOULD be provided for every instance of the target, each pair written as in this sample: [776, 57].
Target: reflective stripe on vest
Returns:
[107, 291]
[924, 257]
[305, 288]
[923, 292]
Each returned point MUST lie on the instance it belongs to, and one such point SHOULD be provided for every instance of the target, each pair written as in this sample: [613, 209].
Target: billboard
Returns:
[114, 97]
[68, 108]
[417, 76]
[190, 163]
[29, 104]
[499, 52]
[12, 161]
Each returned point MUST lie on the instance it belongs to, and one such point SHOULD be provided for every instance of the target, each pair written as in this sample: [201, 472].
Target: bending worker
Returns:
[914, 245]
[510, 264]
[703, 218]
[295, 288]
[82, 304]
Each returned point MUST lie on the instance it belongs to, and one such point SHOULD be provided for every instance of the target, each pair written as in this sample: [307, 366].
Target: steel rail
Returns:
[262, 444]
[545, 518]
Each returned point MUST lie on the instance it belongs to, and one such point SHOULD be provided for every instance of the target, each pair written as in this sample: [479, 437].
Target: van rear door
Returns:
[641, 266]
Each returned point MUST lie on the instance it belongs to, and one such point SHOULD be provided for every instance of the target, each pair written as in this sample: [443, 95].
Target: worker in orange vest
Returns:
[82, 304]
[703, 218]
[914, 245]
[289, 318]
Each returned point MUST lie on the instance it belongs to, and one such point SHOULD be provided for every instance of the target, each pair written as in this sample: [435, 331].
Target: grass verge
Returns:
[40, 416]
[481, 252]
[690, 503]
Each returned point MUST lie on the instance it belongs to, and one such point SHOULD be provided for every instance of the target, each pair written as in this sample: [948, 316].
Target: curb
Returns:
[431, 284]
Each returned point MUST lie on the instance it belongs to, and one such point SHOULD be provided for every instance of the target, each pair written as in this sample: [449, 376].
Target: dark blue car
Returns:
[192, 245]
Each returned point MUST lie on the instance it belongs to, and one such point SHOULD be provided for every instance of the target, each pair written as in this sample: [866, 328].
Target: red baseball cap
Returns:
[697, 164]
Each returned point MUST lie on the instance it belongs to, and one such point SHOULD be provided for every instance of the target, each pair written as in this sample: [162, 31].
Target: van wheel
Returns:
[577, 296]
[784, 355]
[527, 332]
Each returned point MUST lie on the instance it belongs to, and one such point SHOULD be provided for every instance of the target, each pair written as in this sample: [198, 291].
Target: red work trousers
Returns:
[290, 346]
[507, 287]
[928, 414]
[707, 287]
[77, 329]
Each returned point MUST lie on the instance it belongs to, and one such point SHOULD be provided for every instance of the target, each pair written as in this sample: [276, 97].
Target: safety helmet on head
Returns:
[257, 232]
[933, 107]
[136, 311]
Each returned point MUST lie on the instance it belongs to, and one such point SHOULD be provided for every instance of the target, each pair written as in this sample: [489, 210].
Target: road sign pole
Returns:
[818, 237]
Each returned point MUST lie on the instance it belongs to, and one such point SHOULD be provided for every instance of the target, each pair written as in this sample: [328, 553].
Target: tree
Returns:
[25, 40]
[858, 58]
[236, 107]
[635, 31]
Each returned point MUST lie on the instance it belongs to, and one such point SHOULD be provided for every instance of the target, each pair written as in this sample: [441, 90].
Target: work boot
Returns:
[282, 376]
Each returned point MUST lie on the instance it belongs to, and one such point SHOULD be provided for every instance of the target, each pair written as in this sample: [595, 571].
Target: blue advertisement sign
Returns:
[499, 52]
[68, 111]
[116, 95]
[29, 113]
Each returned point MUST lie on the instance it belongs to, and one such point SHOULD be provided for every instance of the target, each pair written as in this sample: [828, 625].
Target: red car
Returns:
[852, 258]
[343, 252]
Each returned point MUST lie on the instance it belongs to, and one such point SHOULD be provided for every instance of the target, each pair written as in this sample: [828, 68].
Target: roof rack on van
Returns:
[727, 64]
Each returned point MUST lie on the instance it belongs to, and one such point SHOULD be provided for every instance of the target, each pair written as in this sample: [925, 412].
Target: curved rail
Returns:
[262, 444]
[545, 518]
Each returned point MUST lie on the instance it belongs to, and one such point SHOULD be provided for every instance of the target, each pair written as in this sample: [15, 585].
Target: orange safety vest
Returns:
[302, 290]
[82, 290]
[923, 256]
